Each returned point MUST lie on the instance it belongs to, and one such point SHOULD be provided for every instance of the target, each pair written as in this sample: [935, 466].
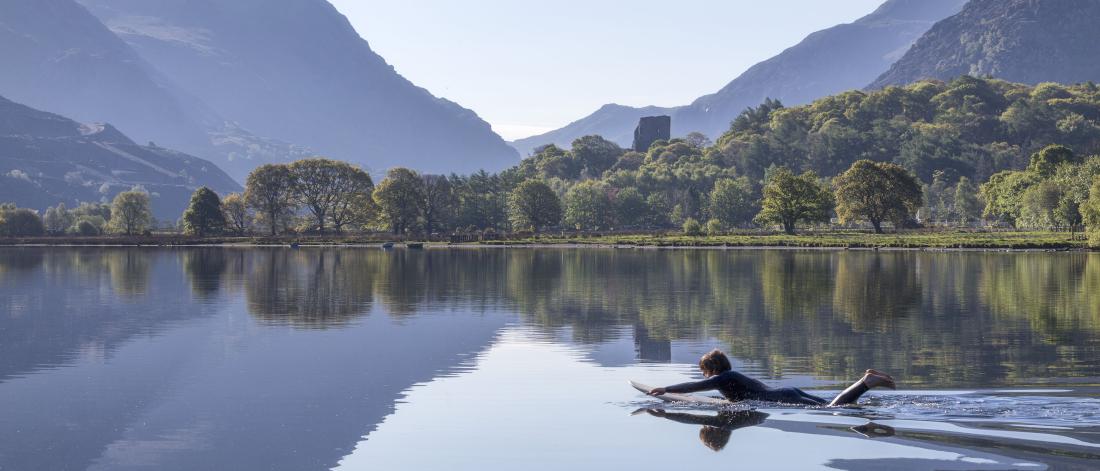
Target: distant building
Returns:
[652, 129]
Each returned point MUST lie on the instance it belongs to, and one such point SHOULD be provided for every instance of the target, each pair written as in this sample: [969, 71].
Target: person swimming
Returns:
[738, 387]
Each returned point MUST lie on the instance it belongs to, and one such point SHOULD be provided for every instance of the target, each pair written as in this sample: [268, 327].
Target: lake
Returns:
[359, 358]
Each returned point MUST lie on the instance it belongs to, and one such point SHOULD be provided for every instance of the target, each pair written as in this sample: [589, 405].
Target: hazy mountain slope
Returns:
[1027, 41]
[58, 56]
[46, 159]
[297, 70]
[826, 62]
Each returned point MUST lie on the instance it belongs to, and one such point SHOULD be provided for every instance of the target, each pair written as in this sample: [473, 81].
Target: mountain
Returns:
[840, 58]
[297, 70]
[59, 57]
[1026, 41]
[47, 159]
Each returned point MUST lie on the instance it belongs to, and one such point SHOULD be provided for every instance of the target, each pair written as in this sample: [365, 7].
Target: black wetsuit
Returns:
[738, 387]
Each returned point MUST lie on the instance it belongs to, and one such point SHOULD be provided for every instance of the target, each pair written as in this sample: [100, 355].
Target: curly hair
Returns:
[715, 363]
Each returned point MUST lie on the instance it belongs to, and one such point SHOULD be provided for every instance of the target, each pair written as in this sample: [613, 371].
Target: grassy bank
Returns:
[915, 239]
[940, 240]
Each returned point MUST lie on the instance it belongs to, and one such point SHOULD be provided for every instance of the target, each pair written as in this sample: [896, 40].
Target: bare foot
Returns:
[879, 373]
[873, 381]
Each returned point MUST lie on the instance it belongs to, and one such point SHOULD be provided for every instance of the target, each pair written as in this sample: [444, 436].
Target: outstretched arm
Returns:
[694, 386]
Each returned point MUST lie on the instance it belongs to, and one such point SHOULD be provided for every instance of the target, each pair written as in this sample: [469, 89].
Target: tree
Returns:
[698, 140]
[130, 213]
[204, 215]
[790, 200]
[1045, 162]
[354, 204]
[732, 202]
[1090, 212]
[238, 216]
[399, 198]
[631, 209]
[270, 191]
[533, 205]
[327, 189]
[967, 209]
[58, 219]
[588, 207]
[692, 227]
[438, 201]
[595, 154]
[1003, 192]
[20, 222]
[877, 192]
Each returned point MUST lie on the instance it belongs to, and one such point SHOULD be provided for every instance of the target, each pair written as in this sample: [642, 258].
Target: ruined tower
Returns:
[651, 129]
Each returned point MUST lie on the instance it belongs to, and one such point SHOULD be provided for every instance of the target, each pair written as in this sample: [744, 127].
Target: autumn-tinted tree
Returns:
[238, 216]
[791, 199]
[203, 215]
[58, 219]
[533, 205]
[130, 214]
[588, 206]
[877, 192]
[399, 197]
[269, 190]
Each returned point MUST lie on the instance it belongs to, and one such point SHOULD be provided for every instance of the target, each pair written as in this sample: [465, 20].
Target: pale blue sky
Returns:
[527, 66]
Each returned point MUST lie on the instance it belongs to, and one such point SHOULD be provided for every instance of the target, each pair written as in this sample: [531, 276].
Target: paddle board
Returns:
[672, 397]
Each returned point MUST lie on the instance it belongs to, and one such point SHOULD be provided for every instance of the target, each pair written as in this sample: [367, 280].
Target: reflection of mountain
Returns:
[214, 389]
[62, 304]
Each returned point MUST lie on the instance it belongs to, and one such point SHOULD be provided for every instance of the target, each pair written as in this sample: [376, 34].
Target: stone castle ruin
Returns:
[652, 129]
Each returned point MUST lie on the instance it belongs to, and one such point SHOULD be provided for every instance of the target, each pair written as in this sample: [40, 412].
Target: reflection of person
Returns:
[738, 387]
[716, 430]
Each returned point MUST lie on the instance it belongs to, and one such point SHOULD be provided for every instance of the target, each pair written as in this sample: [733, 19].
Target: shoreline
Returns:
[916, 241]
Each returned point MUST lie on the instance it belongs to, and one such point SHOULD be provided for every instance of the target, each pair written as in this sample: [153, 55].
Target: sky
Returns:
[529, 66]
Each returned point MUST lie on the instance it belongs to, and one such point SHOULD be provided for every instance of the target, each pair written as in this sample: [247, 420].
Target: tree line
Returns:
[931, 153]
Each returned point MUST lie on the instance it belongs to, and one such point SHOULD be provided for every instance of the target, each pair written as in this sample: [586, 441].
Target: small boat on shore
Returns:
[387, 245]
[415, 245]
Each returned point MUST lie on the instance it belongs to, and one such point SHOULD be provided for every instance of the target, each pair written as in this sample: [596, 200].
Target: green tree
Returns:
[269, 190]
[329, 189]
[437, 207]
[631, 209]
[877, 192]
[130, 213]
[238, 216]
[692, 227]
[790, 200]
[1003, 192]
[533, 205]
[399, 197]
[588, 207]
[967, 208]
[1045, 162]
[714, 227]
[732, 202]
[594, 154]
[1090, 212]
[204, 215]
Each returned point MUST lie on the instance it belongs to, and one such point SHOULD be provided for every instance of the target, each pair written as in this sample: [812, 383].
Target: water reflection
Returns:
[716, 428]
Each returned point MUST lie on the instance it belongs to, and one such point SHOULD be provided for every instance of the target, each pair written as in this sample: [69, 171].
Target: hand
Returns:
[656, 412]
[657, 392]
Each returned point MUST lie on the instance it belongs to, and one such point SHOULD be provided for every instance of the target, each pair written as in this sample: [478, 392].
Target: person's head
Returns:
[714, 438]
[714, 363]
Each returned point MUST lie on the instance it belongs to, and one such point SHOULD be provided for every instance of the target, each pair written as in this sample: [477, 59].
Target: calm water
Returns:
[357, 358]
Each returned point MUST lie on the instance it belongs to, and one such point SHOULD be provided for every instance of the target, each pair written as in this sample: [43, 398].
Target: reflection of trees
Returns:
[129, 270]
[873, 290]
[15, 260]
[205, 268]
[310, 288]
